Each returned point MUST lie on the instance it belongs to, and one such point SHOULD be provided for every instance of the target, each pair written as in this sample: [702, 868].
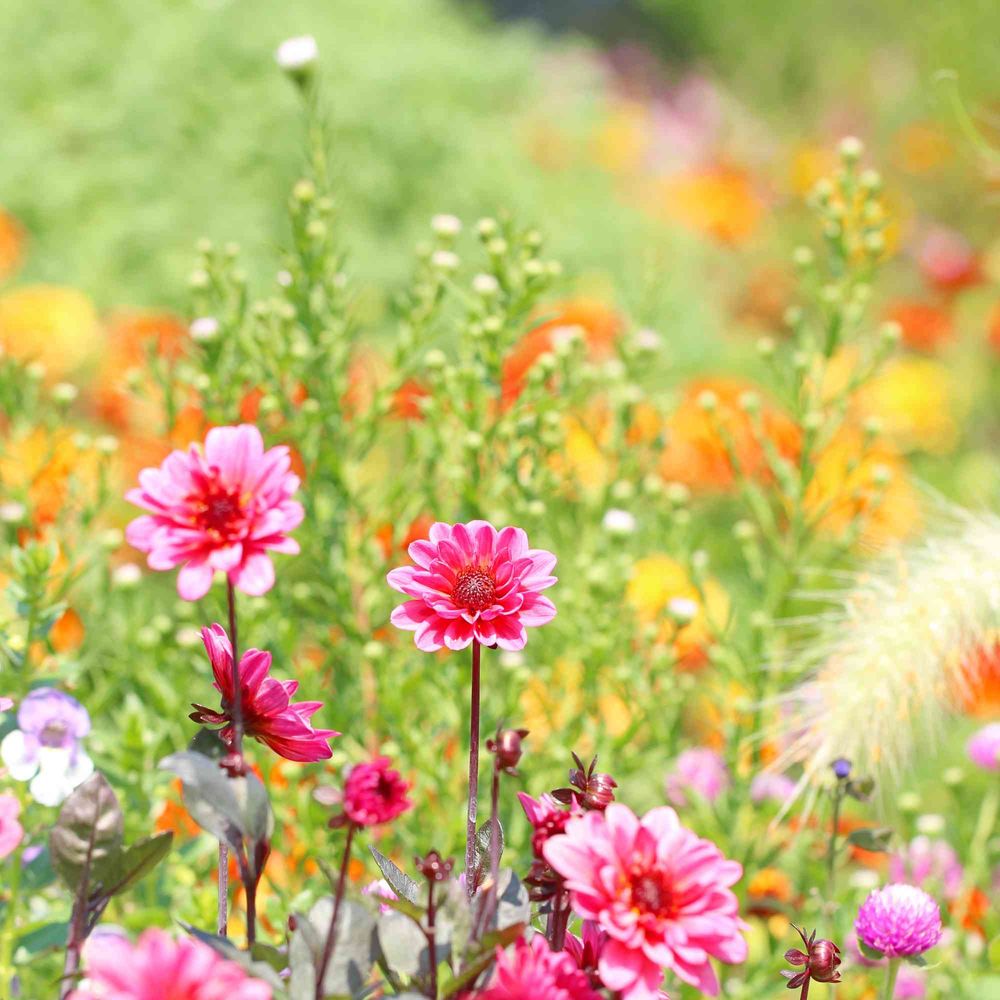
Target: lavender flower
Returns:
[899, 921]
[46, 747]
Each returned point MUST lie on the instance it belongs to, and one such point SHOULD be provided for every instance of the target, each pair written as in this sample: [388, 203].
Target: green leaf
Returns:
[44, 938]
[400, 883]
[225, 947]
[88, 832]
[354, 953]
[918, 960]
[136, 861]
[230, 809]
[873, 953]
[993, 952]
[450, 984]
[403, 944]
[871, 838]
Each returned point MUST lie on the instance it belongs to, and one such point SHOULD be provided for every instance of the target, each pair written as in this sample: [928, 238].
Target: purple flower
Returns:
[700, 770]
[46, 748]
[842, 768]
[770, 787]
[899, 920]
[926, 860]
[984, 747]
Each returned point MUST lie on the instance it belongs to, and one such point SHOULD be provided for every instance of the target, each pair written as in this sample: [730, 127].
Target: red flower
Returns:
[269, 714]
[374, 793]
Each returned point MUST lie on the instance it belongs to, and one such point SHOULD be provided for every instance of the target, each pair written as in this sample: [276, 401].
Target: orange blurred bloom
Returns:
[173, 818]
[765, 298]
[12, 241]
[419, 528]
[976, 681]
[717, 201]
[923, 147]
[67, 633]
[971, 907]
[993, 329]
[925, 327]
[600, 326]
[768, 892]
[406, 400]
[696, 453]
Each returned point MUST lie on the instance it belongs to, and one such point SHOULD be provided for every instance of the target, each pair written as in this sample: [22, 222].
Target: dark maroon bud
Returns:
[590, 788]
[507, 748]
[434, 868]
[824, 960]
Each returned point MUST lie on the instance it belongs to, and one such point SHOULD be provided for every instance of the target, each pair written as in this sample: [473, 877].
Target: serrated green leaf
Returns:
[400, 883]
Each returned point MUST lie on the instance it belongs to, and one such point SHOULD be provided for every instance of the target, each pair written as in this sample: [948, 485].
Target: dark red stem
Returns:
[331, 934]
[470, 829]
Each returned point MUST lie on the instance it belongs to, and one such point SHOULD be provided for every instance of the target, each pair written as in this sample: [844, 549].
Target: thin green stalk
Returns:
[7, 971]
[892, 970]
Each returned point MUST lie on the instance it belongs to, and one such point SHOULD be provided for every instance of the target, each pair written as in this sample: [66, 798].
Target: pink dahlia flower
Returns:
[660, 892]
[11, 830]
[222, 507]
[534, 970]
[586, 952]
[899, 920]
[699, 770]
[374, 793]
[470, 582]
[983, 747]
[269, 714]
[159, 968]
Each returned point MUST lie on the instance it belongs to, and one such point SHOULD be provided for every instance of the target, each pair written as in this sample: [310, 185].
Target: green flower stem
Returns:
[892, 970]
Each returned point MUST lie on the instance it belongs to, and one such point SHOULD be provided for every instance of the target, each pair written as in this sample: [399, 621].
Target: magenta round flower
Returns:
[471, 581]
[661, 893]
[374, 793]
[700, 770]
[984, 747]
[266, 705]
[534, 970]
[924, 860]
[221, 508]
[899, 920]
[157, 967]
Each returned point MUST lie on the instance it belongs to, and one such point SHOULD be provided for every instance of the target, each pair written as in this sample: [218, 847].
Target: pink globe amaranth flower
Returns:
[899, 920]
[534, 970]
[984, 747]
[374, 793]
[925, 860]
[660, 892]
[218, 508]
[157, 967]
[11, 831]
[269, 714]
[472, 581]
[699, 770]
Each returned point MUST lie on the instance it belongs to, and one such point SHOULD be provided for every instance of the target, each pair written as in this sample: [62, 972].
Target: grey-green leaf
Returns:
[403, 944]
[88, 832]
[133, 863]
[355, 948]
[401, 883]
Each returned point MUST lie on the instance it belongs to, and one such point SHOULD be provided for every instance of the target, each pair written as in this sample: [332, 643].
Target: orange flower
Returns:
[976, 681]
[923, 147]
[768, 293]
[11, 244]
[53, 325]
[768, 892]
[925, 327]
[696, 453]
[67, 633]
[993, 329]
[419, 528]
[601, 327]
[173, 817]
[970, 908]
[406, 400]
[718, 201]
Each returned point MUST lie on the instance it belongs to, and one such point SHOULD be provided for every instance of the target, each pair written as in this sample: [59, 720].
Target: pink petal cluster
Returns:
[471, 581]
[374, 793]
[925, 860]
[159, 968]
[700, 770]
[269, 714]
[586, 951]
[534, 970]
[218, 508]
[11, 831]
[661, 893]
[899, 920]
[983, 747]
[547, 817]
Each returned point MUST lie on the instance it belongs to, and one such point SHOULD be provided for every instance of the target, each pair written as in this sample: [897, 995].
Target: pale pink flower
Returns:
[221, 508]
[472, 581]
[924, 860]
[11, 831]
[157, 967]
[266, 705]
[700, 770]
[534, 970]
[661, 893]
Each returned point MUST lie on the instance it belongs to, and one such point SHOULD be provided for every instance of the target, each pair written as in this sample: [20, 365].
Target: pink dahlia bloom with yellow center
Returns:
[660, 893]
[471, 581]
[266, 705]
[222, 508]
[159, 968]
[533, 970]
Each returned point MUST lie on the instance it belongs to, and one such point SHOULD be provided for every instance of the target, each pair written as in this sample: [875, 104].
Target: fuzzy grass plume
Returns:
[896, 655]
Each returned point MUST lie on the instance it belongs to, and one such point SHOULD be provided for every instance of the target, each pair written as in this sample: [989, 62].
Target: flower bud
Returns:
[507, 749]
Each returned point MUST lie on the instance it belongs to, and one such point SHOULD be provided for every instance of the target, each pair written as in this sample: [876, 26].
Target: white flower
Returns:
[204, 329]
[126, 575]
[444, 260]
[53, 772]
[682, 609]
[297, 54]
[647, 340]
[485, 285]
[618, 522]
[931, 824]
[12, 512]
[446, 225]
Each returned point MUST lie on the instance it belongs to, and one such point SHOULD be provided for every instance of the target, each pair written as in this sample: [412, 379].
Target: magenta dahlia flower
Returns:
[158, 966]
[221, 508]
[661, 893]
[471, 581]
[899, 921]
[534, 970]
[374, 793]
[268, 712]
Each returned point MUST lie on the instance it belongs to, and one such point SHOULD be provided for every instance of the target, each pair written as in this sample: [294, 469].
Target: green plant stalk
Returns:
[892, 970]
[831, 845]
[7, 970]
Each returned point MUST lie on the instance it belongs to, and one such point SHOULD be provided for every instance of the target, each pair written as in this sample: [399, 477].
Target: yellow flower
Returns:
[56, 326]
[623, 139]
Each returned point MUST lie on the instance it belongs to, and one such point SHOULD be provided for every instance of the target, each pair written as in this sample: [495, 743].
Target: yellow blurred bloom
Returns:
[56, 326]
[623, 138]
[718, 201]
[923, 147]
[11, 244]
[662, 593]
[807, 165]
[549, 704]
